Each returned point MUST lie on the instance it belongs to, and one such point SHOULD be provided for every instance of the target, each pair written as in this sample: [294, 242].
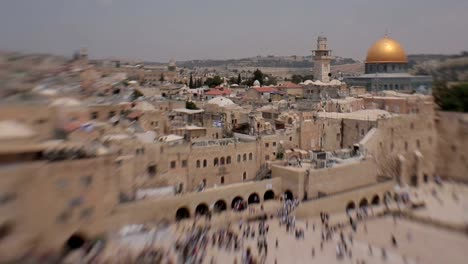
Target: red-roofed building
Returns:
[291, 89]
[217, 91]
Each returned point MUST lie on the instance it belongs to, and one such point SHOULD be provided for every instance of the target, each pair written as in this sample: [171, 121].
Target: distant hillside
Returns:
[262, 61]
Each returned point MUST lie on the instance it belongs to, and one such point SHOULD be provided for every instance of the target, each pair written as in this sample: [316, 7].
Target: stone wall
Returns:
[452, 145]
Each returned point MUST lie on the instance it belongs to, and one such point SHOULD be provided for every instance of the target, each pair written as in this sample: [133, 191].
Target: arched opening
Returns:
[75, 241]
[363, 203]
[253, 198]
[375, 200]
[288, 195]
[219, 206]
[201, 209]
[269, 195]
[182, 213]
[426, 178]
[238, 203]
[350, 206]
[414, 180]
[222, 160]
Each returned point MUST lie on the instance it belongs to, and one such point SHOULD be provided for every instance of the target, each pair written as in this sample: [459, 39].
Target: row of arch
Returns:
[374, 201]
[221, 205]
[223, 160]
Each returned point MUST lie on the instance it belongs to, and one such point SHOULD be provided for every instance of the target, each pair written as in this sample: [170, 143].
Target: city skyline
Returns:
[160, 30]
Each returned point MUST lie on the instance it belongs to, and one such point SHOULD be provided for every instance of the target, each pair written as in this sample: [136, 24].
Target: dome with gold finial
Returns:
[386, 50]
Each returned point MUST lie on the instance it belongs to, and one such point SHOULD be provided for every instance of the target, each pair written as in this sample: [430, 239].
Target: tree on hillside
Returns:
[296, 78]
[453, 98]
[191, 85]
[239, 79]
[258, 75]
[213, 82]
[161, 78]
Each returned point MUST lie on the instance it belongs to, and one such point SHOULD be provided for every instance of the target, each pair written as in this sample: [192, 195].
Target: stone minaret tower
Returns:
[322, 58]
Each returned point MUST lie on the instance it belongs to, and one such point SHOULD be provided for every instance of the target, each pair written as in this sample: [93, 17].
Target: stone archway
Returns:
[182, 213]
[237, 203]
[269, 195]
[75, 241]
[375, 200]
[350, 206]
[288, 195]
[253, 198]
[219, 206]
[363, 203]
[425, 178]
[414, 180]
[202, 209]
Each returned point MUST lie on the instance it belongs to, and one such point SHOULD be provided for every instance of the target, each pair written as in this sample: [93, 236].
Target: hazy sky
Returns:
[198, 29]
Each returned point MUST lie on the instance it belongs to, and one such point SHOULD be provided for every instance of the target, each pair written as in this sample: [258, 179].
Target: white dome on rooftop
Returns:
[221, 101]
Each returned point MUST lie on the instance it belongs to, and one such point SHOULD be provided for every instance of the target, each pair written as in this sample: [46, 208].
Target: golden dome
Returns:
[386, 50]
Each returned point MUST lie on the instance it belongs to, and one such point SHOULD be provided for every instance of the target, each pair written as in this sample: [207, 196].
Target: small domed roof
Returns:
[256, 83]
[221, 101]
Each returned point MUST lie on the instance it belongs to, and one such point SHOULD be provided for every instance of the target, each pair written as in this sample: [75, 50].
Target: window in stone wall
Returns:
[244, 157]
[274, 144]
[111, 114]
[94, 115]
[62, 183]
[228, 160]
[266, 145]
[205, 163]
[64, 216]
[87, 180]
[406, 146]
[7, 197]
[184, 163]
[290, 138]
[267, 157]
[173, 164]
[250, 156]
[86, 213]
[221, 161]
[198, 163]
[215, 162]
[222, 179]
[151, 171]
[454, 148]
[238, 157]
[75, 202]
[244, 176]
